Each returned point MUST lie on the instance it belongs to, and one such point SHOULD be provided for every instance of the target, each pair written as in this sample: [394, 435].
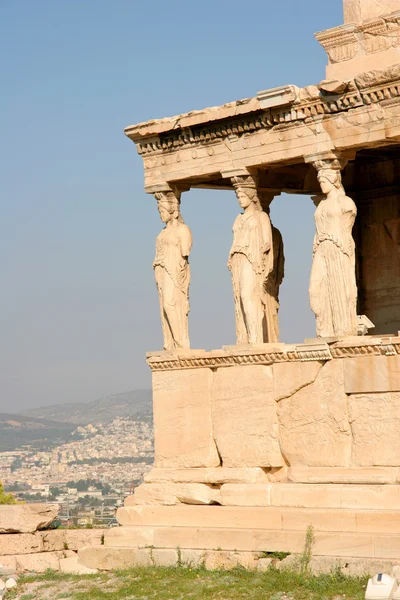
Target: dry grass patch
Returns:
[190, 584]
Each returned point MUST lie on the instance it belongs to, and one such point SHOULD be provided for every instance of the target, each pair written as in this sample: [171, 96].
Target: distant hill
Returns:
[137, 404]
[20, 430]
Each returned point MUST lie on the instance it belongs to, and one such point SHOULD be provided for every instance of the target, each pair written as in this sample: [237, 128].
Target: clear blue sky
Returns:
[78, 304]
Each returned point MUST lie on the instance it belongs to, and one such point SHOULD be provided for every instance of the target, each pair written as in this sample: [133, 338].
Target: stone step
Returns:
[363, 545]
[291, 495]
[105, 558]
[270, 518]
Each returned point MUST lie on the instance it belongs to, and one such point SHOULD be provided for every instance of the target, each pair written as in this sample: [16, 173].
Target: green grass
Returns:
[197, 584]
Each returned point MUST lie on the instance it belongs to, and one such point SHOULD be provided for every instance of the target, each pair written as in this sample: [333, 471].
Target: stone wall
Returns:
[26, 543]
[54, 549]
[333, 405]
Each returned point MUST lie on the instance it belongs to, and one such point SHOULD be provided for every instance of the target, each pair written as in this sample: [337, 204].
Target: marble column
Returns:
[172, 270]
[277, 274]
[251, 262]
[333, 289]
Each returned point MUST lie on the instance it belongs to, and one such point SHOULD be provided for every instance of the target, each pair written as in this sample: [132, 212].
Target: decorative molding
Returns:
[310, 352]
[164, 361]
[340, 43]
[268, 119]
[363, 93]
[348, 41]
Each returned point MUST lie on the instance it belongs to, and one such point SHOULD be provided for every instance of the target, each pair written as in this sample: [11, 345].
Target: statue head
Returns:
[169, 206]
[246, 191]
[330, 179]
[329, 174]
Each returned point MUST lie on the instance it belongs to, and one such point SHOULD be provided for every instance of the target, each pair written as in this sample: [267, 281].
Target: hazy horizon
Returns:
[79, 307]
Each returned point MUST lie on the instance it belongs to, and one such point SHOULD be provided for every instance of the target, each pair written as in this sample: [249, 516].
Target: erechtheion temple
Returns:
[257, 441]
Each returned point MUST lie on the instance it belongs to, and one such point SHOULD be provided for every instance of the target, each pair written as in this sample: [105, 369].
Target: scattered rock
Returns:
[263, 564]
[2, 585]
[11, 583]
[26, 518]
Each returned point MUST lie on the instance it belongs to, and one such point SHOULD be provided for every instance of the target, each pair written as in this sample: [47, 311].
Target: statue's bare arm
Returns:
[186, 241]
[266, 233]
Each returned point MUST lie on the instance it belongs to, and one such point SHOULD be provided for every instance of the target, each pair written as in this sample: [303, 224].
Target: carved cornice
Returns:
[311, 105]
[348, 41]
[164, 361]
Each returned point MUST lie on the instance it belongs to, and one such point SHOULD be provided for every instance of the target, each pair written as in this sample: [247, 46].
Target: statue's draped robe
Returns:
[273, 283]
[172, 272]
[251, 262]
[333, 288]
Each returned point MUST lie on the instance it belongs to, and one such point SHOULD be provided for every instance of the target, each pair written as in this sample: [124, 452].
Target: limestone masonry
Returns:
[257, 441]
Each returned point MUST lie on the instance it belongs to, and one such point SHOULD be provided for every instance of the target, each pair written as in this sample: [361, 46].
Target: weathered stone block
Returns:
[129, 537]
[375, 423]
[329, 544]
[386, 546]
[263, 564]
[314, 422]
[306, 496]
[107, 559]
[246, 495]
[380, 521]
[225, 539]
[8, 563]
[39, 563]
[216, 475]
[78, 538]
[183, 430]
[23, 543]
[372, 374]
[71, 565]
[193, 558]
[244, 417]
[26, 518]
[53, 540]
[377, 497]
[174, 537]
[319, 519]
[365, 475]
[200, 516]
[164, 557]
[173, 493]
[290, 378]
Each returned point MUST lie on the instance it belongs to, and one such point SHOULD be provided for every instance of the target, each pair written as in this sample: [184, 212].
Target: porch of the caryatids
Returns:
[333, 288]
[172, 270]
[251, 262]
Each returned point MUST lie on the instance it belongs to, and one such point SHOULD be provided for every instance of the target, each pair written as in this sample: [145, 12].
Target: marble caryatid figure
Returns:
[333, 288]
[251, 261]
[172, 271]
[276, 276]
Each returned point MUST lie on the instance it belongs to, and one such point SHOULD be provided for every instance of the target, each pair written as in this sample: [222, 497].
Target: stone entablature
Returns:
[268, 354]
[296, 122]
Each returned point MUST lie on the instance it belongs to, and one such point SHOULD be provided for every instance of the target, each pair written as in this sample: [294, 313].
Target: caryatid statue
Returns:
[333, 288]
[277, 274]
[251, 261]
[172, 271]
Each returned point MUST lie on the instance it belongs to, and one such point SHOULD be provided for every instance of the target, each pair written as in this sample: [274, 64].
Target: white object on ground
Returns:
[380, 587]
[11, 583]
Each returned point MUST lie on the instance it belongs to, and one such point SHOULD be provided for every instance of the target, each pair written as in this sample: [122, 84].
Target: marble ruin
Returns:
[257, 441]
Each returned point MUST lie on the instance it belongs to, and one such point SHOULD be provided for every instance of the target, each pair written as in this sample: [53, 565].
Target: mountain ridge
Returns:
[135, 404]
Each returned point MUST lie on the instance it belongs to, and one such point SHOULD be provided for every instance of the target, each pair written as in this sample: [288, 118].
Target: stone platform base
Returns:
[108, 559]
[348, 521]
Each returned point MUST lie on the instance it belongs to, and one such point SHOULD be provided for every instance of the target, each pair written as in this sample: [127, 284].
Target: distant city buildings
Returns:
[113, 457]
